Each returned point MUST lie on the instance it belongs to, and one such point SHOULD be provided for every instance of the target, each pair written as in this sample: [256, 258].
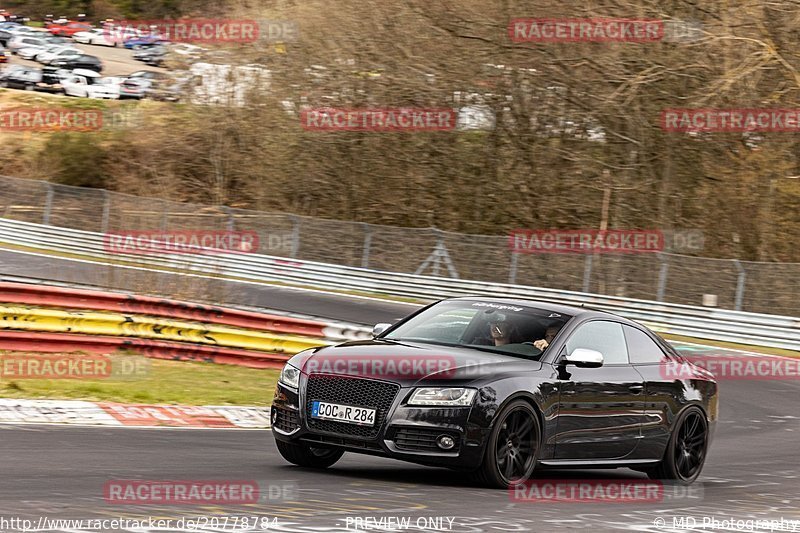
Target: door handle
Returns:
[636, 389]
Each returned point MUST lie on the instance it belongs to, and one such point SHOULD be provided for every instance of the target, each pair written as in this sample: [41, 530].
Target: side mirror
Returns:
[379, 328]
[583, 357]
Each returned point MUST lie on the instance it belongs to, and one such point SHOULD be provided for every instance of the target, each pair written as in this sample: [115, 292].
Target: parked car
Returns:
[135, 88]
[105, 36]
[96, 36]
[82, 61]
[25, 78]
[89, 84]
[18, 42]
[144, 53]
[145, 41]
[69, 29]
[48, 56]
[8, 71]
[19, 29]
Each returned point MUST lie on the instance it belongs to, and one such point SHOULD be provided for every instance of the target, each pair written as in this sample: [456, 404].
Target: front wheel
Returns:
[512, 447]
[686, 450]
[308, 456]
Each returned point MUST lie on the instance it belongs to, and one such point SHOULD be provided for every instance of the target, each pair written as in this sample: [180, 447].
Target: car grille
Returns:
[286, 420]
[378, 395]
[421, 440]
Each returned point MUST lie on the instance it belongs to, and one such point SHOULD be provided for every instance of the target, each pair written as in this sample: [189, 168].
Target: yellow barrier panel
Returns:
[125, 325]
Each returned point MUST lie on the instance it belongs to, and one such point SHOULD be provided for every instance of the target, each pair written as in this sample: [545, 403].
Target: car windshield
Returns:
[510, 329]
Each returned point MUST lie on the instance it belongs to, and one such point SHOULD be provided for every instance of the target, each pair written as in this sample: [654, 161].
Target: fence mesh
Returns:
[772, 288]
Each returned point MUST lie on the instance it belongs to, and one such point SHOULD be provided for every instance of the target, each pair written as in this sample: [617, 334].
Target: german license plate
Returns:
[348, 414]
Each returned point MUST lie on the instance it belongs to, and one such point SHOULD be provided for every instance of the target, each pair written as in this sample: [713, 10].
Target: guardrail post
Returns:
[512, 270]
[230, 222]
[587, 272]
[740, 281]
[106, 212]
[662, 278]
[367, 244]
[295, 236]
[48, 205]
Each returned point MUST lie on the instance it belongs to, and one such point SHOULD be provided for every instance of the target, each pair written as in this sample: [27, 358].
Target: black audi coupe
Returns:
[502, 388]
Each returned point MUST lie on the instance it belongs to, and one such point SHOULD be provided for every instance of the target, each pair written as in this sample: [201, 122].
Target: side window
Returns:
[604, 337]
[642, 348]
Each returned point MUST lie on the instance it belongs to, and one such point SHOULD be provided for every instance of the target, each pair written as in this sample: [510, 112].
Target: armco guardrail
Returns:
[81, 320]
[707, 323]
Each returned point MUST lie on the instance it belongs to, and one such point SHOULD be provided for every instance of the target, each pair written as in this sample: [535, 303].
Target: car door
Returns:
[600, 409]
[663, 395]
[75, 86]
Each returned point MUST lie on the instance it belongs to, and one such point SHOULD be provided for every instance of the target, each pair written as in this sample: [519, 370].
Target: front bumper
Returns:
[402, 432]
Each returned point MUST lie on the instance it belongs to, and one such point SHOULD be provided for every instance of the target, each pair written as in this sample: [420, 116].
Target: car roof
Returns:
[573, 310]
[85, 73]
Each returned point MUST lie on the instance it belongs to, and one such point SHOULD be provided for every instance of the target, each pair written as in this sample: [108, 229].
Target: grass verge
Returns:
[163, 382]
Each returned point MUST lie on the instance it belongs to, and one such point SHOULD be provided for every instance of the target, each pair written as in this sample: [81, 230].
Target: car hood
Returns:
[410, 363]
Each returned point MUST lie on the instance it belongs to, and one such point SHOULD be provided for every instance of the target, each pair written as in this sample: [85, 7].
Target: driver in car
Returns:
[549, 335]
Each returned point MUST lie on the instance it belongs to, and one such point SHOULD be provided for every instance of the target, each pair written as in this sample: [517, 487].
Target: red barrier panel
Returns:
[44, 295]
[23, 341]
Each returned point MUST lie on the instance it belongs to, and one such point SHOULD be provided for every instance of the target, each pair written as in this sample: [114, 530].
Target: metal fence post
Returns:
[512, 270]
[439, 244]
[367, 244]
[587, 272]
[48, 205]
[295, 236]
[740, 282]
[662, 278]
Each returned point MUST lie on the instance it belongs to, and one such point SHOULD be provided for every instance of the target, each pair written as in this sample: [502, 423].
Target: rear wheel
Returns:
[308, 456]
[686, 450]
[512, 448]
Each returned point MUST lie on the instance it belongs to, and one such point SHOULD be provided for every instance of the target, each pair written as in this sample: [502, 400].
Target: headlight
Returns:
[443, 396]
[290, 376]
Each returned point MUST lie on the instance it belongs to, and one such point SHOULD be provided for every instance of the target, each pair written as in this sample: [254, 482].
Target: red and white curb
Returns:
[76, 412]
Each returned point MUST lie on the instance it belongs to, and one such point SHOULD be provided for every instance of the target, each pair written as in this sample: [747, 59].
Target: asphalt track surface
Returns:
[57, 472]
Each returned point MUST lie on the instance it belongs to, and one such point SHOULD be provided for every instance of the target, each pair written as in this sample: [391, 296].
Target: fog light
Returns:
[273, 415]
[445, 442]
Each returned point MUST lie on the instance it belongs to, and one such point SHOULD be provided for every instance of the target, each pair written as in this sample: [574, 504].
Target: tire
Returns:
[308, 456]
[512, 447]
[686, 449]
